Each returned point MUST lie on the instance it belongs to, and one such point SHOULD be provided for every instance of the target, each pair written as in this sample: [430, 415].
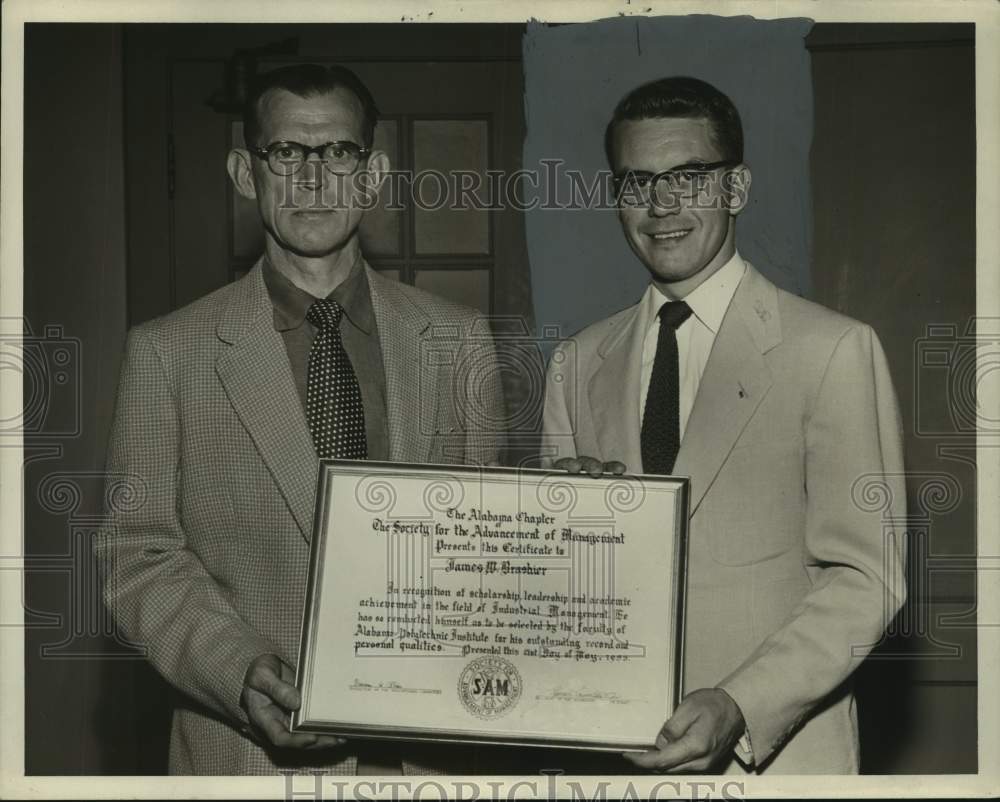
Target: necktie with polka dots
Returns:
[334, 409]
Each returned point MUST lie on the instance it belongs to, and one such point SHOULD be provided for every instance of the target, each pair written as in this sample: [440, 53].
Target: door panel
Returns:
[200, 143]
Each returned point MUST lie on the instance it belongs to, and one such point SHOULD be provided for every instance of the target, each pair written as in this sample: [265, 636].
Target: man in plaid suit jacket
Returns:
[207, 567]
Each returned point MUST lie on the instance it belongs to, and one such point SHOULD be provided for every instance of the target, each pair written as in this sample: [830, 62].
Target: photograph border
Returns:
[986, 15]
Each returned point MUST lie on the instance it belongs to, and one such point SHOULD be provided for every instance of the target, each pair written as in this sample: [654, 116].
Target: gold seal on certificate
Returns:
[493, 605]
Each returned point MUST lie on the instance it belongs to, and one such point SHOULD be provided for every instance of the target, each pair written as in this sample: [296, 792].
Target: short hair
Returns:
[308, 80]
[681, 96]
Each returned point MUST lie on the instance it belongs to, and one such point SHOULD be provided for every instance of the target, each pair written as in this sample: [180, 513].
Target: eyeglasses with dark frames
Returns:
[284, 158]
[637, 188]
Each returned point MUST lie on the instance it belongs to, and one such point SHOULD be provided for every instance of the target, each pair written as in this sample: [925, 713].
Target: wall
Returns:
[74, 280]
[894, 200]
[582, 268]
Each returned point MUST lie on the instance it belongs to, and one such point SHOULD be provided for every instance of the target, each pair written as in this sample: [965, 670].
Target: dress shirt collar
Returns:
[710, 299]
[291, 303]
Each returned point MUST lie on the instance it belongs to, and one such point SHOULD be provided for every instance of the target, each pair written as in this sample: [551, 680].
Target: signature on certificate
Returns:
[582, 695]
[388, 686]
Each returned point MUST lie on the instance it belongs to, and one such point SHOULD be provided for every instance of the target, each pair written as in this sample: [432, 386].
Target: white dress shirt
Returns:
[695, 336]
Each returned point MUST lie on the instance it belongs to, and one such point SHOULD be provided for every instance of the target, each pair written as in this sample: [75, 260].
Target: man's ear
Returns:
[241, 173]
[372, 178]
[738, 188]
[377, 168]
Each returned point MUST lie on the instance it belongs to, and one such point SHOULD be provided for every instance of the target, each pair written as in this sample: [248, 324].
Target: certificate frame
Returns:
[316, 616]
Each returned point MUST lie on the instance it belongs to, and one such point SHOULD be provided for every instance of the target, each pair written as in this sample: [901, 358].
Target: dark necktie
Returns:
[661, 419]
[334, 410]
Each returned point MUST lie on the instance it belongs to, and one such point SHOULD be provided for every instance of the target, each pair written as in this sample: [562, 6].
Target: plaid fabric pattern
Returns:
[205, 556]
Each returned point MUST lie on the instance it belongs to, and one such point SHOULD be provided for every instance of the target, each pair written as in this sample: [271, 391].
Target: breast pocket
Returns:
[755, 509]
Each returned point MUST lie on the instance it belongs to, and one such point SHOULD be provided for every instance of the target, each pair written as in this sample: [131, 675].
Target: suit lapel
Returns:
[614, 393]
[255, 373]
[411, 377]
[735, 381]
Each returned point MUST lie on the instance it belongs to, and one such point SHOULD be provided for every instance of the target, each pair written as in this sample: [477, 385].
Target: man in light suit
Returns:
[778, 410]
[226, 405]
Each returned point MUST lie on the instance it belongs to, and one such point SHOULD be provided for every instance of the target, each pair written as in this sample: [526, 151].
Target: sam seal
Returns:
[489, 687]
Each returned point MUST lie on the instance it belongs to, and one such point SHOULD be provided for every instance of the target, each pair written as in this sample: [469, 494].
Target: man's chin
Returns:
[669, 274]
[314, 252]
[315, 248]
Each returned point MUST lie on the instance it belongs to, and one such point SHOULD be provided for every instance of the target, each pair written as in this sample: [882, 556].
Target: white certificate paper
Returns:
[493, 605]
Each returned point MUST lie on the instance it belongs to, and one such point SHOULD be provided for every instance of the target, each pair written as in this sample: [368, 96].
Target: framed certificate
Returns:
[493, 605]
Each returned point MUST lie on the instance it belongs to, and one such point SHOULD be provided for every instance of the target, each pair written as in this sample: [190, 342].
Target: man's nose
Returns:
[312, 174]
[663, 203]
